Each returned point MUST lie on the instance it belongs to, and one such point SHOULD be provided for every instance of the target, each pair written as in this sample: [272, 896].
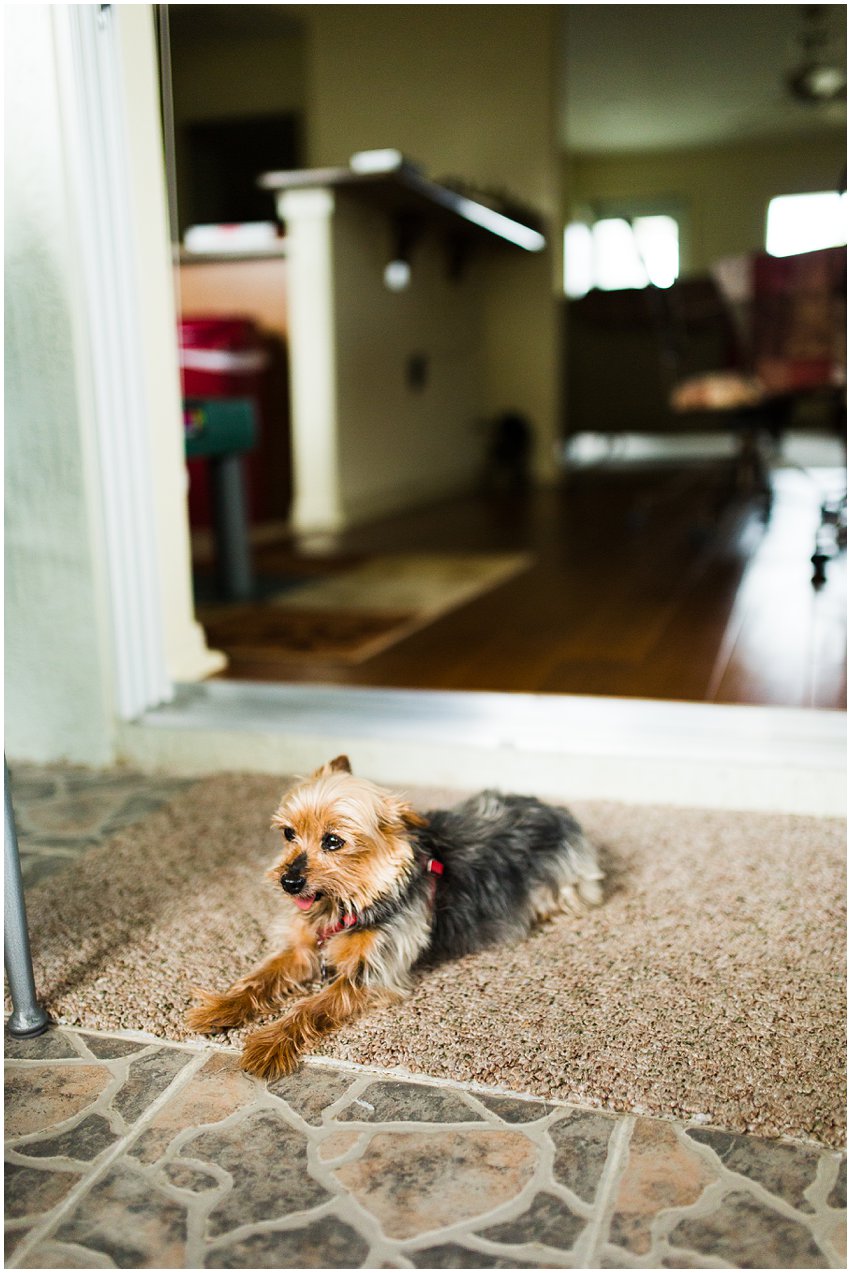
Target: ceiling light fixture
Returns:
[819, 75]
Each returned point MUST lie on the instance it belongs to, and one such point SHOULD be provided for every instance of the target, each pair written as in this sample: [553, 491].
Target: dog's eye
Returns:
[330, 842]
[289, 833]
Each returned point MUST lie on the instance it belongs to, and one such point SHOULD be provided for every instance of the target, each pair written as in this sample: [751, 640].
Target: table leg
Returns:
[230, 524]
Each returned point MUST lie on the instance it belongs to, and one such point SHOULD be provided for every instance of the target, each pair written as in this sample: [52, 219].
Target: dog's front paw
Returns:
[270, 1052]
[217, 1012]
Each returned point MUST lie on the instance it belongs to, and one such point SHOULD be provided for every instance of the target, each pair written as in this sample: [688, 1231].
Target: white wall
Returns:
[58, 663]
[99, 614]
[400, 445]
[367, 438]
[724, 190]
[468, 91]
[219, 77]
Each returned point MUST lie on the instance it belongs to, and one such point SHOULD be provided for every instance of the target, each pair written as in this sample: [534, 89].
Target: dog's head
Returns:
[346, 841]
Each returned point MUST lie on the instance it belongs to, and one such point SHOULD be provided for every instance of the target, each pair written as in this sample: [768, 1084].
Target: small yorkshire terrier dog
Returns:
[375, 888]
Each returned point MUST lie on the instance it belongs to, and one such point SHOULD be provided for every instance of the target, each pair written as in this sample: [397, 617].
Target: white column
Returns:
[186, 653]
[128, 326]
[108, 340]
[308, 216]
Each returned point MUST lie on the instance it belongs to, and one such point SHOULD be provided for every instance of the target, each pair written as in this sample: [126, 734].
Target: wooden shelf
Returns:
[405, 192]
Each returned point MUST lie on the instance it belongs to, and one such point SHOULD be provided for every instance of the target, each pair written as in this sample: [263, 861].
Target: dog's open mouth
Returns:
[306, 900]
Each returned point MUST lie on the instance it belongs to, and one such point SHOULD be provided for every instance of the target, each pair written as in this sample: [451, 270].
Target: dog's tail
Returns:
[583, 887]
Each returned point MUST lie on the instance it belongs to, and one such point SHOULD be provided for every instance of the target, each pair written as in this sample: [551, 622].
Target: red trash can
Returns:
[223, 358]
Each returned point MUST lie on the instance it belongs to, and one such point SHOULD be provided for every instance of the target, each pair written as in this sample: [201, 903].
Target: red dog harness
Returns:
[432, 867]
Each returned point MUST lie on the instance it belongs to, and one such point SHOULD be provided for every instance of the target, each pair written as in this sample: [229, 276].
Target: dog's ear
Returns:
[340, 764]
[397, 815]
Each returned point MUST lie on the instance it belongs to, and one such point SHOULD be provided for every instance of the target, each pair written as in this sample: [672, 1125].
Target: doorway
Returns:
[643, 567]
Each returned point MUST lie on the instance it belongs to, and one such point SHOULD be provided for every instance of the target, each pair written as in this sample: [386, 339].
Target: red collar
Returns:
[331, 930]
[432, 867]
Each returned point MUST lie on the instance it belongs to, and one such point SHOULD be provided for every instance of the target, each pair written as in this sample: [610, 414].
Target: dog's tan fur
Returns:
[362, 911]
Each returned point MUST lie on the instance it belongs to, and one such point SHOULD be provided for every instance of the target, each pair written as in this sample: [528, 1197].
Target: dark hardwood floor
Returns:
[641, 586]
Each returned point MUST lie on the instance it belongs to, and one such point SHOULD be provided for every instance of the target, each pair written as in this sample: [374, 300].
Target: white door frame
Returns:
[108, 85]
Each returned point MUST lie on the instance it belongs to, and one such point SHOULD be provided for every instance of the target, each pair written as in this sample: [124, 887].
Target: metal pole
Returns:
[230, 522]
[28, 1017]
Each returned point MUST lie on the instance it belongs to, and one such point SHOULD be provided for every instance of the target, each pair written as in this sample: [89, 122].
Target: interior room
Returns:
[425, 660]
[569, 545]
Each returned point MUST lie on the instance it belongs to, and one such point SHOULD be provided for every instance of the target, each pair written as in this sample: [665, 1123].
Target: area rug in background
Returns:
[710, 985]
[353, 614]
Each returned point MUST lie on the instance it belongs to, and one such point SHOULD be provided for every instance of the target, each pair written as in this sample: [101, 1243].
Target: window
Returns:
[805, 222]
[617, 252]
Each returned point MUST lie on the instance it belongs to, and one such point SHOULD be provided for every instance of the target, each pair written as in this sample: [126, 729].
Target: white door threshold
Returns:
[569, 747]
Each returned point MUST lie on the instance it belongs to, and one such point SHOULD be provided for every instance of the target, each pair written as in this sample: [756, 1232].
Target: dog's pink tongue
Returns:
[304, 903]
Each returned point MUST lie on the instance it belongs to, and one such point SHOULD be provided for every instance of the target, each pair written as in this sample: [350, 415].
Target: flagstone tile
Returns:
[40, 1096]
[682, 1261]
[186, 1176]
[212, 1094]
[149, 1076]
[581, 1140]
[837, 1236]
[337, 1145]
[39, 864]
[328, 1243]
[68, 815]
[451, 1255]
[838, 1194]
[389, 1101]
[413, 1182]
[55, 1044]
[270, 1182]
[64, 1255]
[747, 1234]
[30, 783]
[138, 804]
[783, 1168]
[106, 1048]
[117, 780]
[85, 1141]
[661, 1173]
[547, 1220]
[68, 809]
[125, 1217]
[31, 1191]
[13, 1236]
[512, 1110]
[312, 1090]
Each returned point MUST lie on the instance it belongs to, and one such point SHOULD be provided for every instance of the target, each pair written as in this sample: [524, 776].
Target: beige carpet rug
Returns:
[354, 614]
[710, 985]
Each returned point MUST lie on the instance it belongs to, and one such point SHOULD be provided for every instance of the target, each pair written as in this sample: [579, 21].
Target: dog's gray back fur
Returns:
[508, 860]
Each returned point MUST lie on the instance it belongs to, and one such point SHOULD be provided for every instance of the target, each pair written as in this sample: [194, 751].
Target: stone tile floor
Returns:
[131, 1153]
[62, 810]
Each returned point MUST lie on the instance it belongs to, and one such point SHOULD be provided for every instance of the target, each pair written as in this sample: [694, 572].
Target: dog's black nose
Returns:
[292, 882]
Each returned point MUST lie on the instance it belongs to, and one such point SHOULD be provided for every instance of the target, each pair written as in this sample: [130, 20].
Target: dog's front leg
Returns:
[261, 989]
[275, 1049]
